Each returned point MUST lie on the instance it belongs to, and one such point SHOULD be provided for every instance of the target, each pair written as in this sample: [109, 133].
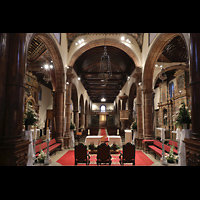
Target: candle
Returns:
[117, 131]
[35, 133]
[163, 134]
[48, 135]
[88, 131]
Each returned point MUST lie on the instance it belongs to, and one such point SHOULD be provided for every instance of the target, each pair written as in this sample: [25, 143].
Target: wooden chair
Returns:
[103, 154]
[128, 155]
[81, 155]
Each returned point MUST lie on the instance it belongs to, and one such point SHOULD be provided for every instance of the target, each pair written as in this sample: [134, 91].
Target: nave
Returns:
[141, 83]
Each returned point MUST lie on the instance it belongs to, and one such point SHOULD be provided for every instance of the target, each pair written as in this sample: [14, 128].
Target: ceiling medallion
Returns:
[105, 66]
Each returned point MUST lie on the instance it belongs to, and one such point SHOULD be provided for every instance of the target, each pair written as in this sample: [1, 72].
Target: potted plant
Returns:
[183, 118]
[41, 157]
[171, 158]
[30, 117]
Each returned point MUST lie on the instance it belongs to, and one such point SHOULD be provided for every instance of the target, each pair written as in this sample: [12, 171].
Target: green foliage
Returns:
[30, 117]
[183, 115]
[134, 125]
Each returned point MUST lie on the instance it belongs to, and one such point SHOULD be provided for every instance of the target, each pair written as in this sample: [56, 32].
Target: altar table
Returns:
[115, 139]
[96, 140]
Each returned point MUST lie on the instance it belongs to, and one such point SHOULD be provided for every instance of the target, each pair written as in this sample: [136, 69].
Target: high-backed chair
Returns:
[103, 154]
[128, 155]
[81, 155]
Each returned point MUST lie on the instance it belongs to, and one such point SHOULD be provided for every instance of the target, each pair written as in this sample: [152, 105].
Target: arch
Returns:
[155, 51]
[58, 85]
[132, 96]
[51, 45]
[153, 55]
[103, 108]
[74, 97]
[82, 114]
[101, 42]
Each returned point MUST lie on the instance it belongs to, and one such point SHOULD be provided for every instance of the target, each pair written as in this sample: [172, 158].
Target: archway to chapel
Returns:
[57, 80]
[153, 55]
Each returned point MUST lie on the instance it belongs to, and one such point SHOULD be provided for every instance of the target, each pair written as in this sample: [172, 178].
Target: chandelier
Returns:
[47, 76]
[105, 66]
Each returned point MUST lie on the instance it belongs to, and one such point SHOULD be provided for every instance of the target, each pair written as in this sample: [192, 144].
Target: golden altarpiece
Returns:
[172, 94]
[32, 90]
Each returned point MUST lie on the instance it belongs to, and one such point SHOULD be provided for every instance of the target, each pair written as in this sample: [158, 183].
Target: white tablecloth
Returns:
[115, 139]
[97, 140]
[185, 133]
[93, 139]
[28, 136]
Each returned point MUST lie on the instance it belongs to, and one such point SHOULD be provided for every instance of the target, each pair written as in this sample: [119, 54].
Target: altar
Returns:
[96, 140]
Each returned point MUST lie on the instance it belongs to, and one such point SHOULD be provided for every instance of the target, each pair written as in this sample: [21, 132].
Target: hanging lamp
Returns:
[105, 66]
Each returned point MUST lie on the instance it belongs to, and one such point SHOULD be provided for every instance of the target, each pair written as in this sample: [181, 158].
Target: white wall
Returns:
[96, 106]
[45, 103]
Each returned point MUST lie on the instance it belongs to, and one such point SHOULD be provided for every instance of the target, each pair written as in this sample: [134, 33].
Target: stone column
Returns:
[76, 119]
[148, 114]
[193, 144]
[70, 76]
[13, 148]
[59, 115]
[195, 84]
[139, 138]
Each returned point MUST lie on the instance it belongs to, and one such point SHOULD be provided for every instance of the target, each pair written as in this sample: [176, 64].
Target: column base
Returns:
[138, 142]
[192, 152]
[14, 153]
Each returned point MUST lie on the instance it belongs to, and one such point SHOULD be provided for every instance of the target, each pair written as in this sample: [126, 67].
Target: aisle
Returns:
[103, 132]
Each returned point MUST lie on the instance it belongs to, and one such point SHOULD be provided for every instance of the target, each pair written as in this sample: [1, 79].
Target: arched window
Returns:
[171, 89]
[103, 108]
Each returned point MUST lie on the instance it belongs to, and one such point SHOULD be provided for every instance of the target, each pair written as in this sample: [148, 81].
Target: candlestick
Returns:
[35, 133]
[47, 134]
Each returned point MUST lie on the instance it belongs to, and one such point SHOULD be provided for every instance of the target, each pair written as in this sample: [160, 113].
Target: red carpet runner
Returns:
[103, 132]
[140, 159]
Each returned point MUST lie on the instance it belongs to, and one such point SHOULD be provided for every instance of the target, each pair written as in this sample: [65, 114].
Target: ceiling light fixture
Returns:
[103, 100]
[105, 66]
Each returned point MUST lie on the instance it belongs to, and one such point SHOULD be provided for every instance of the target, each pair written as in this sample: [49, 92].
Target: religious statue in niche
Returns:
[165, 116]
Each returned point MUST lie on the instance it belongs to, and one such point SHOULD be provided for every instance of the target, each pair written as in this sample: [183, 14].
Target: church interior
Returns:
[118, 99]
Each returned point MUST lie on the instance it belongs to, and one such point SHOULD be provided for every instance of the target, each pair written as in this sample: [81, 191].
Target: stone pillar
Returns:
[148, 114]
[13, 148]
[193, 144]
[76, 119]
[139, 138]
[59, 115]
[195, 83]
[68, 99]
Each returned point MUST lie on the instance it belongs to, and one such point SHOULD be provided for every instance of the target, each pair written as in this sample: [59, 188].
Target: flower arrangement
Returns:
[134, 125]
[30, 117]
[171, 158]
[41, 157]
[183, 116]
[72, 126]
[92, 146]
[114, 146]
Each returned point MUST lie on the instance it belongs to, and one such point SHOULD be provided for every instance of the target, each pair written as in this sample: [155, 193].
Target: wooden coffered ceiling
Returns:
[37, 56]
[87, 67]
[137, 36]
